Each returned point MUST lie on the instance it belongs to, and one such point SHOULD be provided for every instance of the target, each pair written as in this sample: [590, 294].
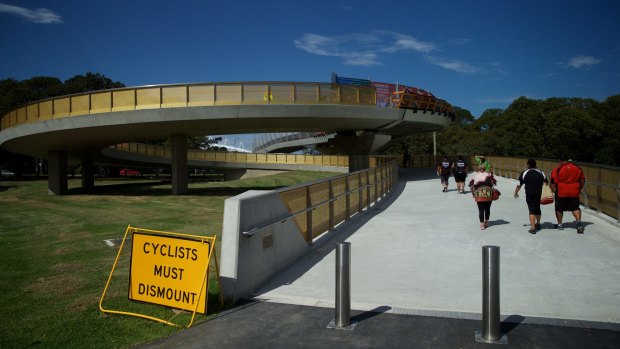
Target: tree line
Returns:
[584, 129]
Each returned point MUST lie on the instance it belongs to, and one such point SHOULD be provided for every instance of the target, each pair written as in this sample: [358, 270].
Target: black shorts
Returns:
[460, 177]
[534, 206]
[566, 204]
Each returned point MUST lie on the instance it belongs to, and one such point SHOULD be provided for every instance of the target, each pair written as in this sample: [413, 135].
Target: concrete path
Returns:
[420, 253]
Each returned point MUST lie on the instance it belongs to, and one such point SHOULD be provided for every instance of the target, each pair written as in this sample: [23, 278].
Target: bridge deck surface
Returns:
[420, 252]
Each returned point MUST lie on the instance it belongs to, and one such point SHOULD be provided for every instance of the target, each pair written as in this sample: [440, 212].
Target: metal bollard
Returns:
[490, 297]
[343, 284]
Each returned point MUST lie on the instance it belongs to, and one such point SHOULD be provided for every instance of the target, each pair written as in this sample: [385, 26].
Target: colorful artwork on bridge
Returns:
[384, 90]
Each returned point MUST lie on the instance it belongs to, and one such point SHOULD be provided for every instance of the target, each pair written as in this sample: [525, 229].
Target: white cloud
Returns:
[362, 49]
[40, 15]
[585, 62]
[455, 65]
[406, 42]
[368, 49]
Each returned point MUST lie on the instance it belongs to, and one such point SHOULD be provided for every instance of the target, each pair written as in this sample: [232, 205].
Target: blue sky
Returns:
[475, 54]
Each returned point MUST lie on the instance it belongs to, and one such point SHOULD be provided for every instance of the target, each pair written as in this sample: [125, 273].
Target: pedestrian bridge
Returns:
[417, 250]
[76, 128]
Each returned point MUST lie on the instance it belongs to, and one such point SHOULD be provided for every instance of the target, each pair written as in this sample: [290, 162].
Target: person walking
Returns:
[443, 170]
[406, 157]
[482, 190]
[480, 159]
[533, 179]
[460, 174]
[567, 181]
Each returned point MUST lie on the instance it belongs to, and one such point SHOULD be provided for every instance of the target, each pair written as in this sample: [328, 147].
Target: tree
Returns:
[205, 143]
[14, 94]
[89, 82]
[583, 128]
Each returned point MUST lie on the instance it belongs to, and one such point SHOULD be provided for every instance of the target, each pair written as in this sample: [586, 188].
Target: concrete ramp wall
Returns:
[248, 262]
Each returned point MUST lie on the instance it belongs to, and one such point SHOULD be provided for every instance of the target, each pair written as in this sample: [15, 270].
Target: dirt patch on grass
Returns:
[69, 267]
[57, 285]
[63, 251]
[83, 303]
[69, 236]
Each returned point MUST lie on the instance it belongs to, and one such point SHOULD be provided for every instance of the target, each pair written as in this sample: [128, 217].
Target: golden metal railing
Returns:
[246, 158]
[249, 158]
[601, 191]
[189, 95]
[320, 206]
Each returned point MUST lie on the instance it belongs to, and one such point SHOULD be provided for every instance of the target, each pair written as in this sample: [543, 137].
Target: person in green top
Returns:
[482, 161]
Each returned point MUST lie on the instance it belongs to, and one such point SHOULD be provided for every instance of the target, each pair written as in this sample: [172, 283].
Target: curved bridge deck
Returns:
[419, 252]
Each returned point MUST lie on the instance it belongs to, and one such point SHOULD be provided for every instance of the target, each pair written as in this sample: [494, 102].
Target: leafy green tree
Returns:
[14, 94]
[89, 82]
[205, 142]
[583, 128]
[609, 151]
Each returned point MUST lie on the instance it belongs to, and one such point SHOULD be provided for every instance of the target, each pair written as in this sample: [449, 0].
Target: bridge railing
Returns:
[601, 191]
[319, 206]
[249, 158]
[189, 95]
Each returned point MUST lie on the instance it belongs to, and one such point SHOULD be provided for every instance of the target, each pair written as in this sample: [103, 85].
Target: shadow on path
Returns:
[326, 243]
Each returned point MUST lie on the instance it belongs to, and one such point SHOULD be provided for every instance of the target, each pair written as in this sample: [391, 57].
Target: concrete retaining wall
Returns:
[247, 263]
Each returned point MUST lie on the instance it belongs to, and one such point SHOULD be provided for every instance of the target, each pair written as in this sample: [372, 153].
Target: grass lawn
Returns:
[54, 263]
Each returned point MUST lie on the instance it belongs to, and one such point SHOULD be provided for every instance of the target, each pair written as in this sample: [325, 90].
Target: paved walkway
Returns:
[416, 259]
[422, 253]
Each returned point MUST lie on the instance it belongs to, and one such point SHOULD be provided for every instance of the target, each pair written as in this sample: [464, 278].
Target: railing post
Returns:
[308, 216]
[490, 297]
[618, 202]
[599, 191]
[331, 205]
[343, 284]
[367, 189]
[375, 185]
[359, 193]
[347, 198]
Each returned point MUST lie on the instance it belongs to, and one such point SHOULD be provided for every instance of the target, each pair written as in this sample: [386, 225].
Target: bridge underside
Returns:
[80, 139]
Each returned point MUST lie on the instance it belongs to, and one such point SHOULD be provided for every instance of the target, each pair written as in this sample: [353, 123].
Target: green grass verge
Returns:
[54, 263]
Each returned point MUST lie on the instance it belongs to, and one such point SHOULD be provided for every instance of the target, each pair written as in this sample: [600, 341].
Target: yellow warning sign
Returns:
[169, 271]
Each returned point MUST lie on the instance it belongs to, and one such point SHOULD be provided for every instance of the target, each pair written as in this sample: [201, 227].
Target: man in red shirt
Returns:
[567, 180]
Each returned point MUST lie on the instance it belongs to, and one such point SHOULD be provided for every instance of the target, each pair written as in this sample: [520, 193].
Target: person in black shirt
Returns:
[443, 170]
[460, 174]
[533, 180]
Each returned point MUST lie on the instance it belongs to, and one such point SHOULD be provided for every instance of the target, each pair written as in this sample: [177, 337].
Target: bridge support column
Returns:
[358, 146]
[88, 173]
[57, 172]
[179, 164]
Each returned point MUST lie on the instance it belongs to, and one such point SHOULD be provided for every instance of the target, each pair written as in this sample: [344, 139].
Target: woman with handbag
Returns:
[481, 186]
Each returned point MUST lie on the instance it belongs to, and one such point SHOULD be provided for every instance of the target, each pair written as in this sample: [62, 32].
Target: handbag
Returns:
[547, 195]
[496, 194]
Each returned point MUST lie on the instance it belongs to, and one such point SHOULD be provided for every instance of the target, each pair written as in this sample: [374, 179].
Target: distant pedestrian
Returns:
[567, 181]
[481, 160]
[460, 174]
[444, 169]
[406, 158]
[533, 179]
[482, 190]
